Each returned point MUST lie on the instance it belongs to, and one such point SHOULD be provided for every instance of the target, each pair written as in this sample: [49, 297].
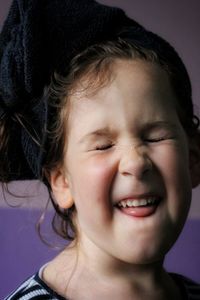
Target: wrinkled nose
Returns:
[134, 161]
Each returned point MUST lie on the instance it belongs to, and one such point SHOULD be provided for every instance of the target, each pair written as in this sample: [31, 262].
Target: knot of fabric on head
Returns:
[39, 38]
[19, 91]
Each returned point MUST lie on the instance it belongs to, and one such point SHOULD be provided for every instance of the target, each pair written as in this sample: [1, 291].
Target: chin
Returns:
[145, 255]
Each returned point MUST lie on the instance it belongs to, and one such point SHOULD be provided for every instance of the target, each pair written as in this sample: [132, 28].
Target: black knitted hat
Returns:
[38, 38]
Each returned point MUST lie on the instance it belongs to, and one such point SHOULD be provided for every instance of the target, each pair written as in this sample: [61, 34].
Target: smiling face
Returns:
[126, 148]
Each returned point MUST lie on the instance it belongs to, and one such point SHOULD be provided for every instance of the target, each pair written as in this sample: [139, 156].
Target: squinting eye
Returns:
[103, 147]
[156, 140]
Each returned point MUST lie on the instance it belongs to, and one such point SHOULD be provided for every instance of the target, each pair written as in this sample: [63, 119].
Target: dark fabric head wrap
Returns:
[38, 38]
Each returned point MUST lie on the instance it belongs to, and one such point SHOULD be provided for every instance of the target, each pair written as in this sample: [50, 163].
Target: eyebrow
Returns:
[102, 132]
[160, 124]
[107, 133]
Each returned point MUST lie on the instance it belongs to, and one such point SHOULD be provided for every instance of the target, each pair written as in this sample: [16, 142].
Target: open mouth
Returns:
[139, 207]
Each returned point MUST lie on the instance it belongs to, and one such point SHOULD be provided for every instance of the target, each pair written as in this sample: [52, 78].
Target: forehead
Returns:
[130, 81]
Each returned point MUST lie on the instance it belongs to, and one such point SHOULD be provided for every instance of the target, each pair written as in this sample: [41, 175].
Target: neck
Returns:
[99, 276]
[105, 277]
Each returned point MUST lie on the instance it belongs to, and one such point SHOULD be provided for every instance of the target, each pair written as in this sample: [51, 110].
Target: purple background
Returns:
[21, 251]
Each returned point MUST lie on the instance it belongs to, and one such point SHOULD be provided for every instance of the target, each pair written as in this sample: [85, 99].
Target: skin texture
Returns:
[123, 142]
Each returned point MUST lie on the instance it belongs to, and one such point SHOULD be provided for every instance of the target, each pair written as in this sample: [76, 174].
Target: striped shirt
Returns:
[35, 288]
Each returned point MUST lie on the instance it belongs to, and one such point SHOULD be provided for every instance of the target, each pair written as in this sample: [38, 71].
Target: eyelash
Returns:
[146, 140]
[159, 139]
[103, 147]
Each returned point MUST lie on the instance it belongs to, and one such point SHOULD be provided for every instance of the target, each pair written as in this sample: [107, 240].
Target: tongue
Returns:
[142, 211]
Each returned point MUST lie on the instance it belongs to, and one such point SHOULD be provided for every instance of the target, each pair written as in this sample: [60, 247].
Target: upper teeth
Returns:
[136, 203]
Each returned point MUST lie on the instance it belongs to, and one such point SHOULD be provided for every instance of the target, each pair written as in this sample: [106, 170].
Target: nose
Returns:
[134, 161]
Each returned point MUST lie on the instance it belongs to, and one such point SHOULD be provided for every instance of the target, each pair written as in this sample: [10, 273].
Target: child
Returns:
[113, 137]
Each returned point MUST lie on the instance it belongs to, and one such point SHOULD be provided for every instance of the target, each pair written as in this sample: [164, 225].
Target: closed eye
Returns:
[158, 139]
[103, 147]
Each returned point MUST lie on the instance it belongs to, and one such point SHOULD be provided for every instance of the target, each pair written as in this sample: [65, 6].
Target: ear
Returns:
[194, 159]
[60, 189]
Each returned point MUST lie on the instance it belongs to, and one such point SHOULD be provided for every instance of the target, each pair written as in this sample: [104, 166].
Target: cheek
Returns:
[91, 179]
[173, 164]
[91, 183]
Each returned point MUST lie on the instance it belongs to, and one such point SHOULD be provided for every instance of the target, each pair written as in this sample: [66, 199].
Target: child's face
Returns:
[126, 143]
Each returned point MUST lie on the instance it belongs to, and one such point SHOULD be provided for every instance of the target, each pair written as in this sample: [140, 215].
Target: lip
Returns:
[140, 212]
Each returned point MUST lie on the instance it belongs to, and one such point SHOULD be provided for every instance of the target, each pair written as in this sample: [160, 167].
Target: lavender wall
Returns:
[21, 251]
